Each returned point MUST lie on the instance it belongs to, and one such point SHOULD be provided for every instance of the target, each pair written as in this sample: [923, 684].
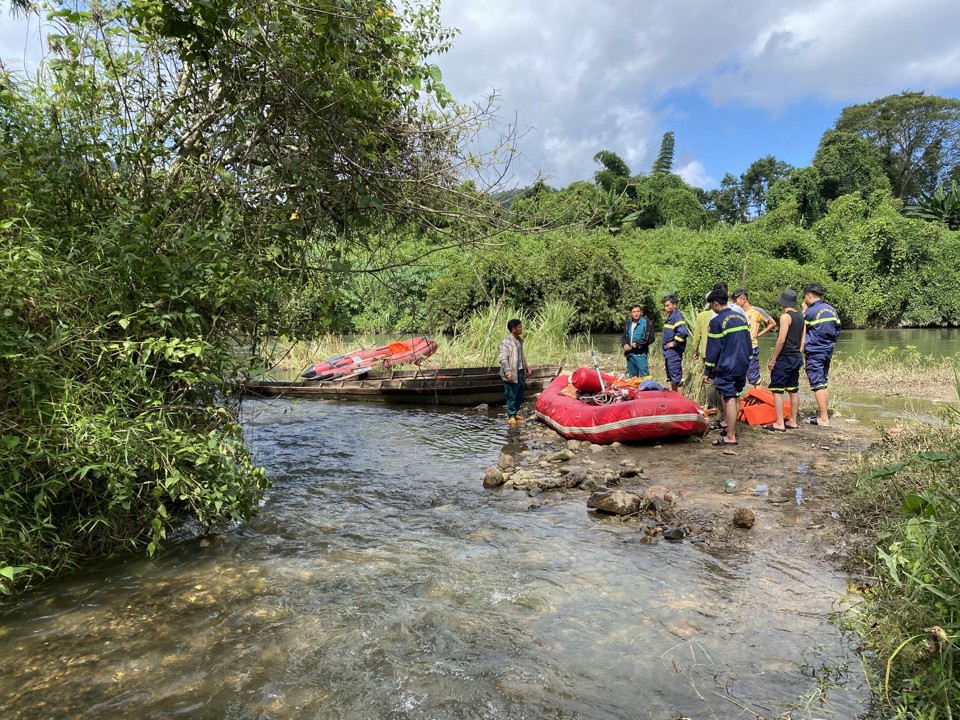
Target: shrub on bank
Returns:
[907, 501]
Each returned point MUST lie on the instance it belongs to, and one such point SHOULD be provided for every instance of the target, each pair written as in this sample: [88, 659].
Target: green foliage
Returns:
[665, 199]
[181, 185]
[756, 181]
[942, 207]
[664, 161]
[879, 255]
[577, 204]
[918, 136]
[614, 175]
[586, 271]
[547, 335]
[727, 204]
[846, 163]
[905, 501]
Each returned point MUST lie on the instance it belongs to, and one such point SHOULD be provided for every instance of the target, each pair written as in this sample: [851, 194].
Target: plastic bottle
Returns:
[799, 496]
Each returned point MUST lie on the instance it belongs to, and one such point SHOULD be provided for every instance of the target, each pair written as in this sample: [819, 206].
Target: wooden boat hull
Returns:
[654, 414]
[447, 386]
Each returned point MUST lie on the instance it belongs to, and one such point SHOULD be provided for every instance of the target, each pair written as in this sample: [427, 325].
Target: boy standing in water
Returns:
[675, 333]
[513, 366]
[785, 362]
[637, 335]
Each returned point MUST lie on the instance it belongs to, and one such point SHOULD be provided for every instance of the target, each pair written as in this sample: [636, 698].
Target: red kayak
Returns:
[643, 415]
[367, 359]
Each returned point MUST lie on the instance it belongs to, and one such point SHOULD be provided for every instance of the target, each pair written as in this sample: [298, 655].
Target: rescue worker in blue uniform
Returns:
[675, 334]
[823, 329]
[636, 339]
[727, 360]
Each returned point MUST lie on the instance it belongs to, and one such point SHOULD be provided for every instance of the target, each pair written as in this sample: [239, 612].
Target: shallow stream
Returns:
[381, 580]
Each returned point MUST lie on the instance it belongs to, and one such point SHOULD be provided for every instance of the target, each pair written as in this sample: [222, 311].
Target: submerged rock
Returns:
[493, 478]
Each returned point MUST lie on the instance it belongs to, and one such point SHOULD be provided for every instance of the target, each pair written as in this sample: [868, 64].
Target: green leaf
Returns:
[11, 571]
[886, 471]
[937, 457]
[914, 504]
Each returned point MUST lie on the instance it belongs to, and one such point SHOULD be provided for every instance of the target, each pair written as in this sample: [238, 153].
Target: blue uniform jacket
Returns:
[642, 336]
[728, 345]
[823, 328]
[675, 329]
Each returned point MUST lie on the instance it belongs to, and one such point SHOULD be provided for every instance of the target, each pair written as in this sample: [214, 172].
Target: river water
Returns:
[380, 580]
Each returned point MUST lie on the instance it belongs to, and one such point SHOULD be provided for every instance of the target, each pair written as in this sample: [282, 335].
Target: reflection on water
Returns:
[382, 581]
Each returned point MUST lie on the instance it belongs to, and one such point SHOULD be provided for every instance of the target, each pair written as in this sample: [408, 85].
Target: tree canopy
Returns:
[917, 134]
[180, 185]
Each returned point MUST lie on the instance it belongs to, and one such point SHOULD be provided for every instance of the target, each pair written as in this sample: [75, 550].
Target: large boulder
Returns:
[656, 497]
[615, 502]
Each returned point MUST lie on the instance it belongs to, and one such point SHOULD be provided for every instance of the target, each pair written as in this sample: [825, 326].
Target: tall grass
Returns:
[905, 499]
[475, 342]
[546, 337]
[887, 371]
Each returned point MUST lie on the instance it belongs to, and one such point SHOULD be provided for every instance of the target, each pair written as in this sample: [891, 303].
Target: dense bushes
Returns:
[878, 267]
[582, 268]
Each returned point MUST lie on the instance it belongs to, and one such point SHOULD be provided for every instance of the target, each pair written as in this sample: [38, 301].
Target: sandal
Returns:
[722, 440]
[718, 426]
[791, 427]
[771, 428]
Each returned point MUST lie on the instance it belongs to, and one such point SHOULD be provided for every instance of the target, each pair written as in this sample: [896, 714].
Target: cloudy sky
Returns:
[734, 80]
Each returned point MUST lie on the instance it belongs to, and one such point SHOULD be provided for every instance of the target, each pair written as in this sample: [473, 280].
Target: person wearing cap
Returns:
[636, 339]
[823, 329]
[675, 334]
[727, 360]
[701, 326]
[758, 318]
[784, 365]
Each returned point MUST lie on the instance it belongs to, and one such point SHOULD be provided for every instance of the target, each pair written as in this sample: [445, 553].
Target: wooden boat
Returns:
[653, 414]
[446, 386]
[360, 362]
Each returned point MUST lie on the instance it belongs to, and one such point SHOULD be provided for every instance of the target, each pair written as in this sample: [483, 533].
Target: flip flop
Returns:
[792, 427]
[814, 421]
[723, 441]
[771, 428]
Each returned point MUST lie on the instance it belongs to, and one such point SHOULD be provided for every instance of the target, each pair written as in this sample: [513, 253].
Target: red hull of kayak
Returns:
[654, 414]
[379, 358]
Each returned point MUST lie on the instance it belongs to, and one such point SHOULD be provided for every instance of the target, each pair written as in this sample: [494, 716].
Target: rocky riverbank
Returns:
[770, 488]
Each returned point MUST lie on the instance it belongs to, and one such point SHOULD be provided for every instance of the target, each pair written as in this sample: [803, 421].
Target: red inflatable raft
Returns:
[653, 414]
[363, 361]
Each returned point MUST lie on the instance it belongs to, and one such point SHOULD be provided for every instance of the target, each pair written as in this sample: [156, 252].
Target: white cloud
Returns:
[592, 77]
[694, 173]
